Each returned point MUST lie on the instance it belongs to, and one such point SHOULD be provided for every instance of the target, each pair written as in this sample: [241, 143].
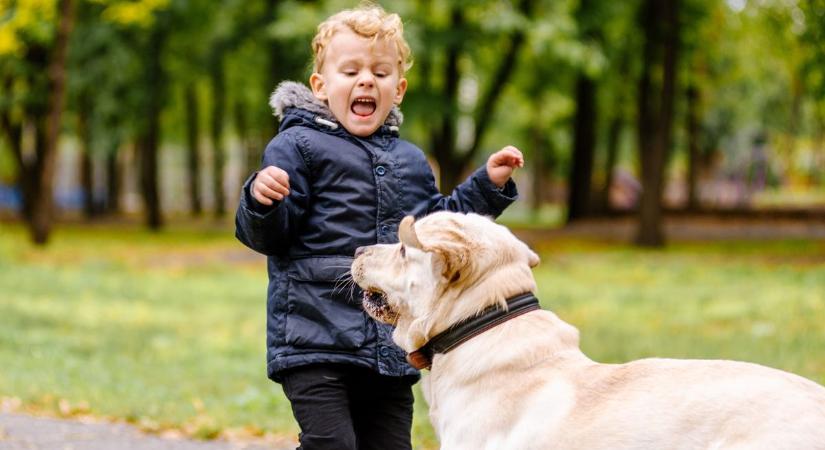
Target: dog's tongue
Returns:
[363, 108]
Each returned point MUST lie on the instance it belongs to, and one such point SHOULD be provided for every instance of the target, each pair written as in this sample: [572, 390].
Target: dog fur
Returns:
[525, 384]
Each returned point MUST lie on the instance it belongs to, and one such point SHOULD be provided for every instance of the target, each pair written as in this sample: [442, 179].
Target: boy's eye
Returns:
[380, 74]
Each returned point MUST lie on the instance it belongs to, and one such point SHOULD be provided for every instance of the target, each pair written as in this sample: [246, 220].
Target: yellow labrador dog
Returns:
[506, 375]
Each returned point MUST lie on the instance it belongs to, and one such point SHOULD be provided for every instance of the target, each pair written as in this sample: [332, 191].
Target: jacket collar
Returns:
[291, 94]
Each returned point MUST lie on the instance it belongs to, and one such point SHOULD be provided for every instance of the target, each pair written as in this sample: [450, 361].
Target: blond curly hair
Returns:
[368, 20]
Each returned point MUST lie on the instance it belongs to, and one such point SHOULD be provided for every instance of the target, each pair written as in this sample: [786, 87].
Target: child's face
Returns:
[360, 81]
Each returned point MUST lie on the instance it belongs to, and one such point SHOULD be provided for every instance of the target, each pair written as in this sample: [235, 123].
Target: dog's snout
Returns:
[359, 251]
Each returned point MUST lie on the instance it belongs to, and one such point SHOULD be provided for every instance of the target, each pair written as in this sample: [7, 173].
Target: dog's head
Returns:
[447, 267]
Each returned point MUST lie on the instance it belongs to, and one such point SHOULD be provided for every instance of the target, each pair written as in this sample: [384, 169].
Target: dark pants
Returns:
[350, 408]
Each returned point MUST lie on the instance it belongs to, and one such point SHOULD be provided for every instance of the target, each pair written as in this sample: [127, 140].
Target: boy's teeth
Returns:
[363, 106]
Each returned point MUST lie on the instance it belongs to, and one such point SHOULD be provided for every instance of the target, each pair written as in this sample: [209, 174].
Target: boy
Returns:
[337, 177]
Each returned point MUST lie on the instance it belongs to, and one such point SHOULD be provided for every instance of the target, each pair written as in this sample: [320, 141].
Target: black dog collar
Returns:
[466, 329]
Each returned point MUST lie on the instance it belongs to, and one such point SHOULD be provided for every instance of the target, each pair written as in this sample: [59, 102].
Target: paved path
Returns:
[24, 432]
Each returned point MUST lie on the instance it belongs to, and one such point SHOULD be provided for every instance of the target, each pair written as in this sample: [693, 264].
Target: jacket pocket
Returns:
[320, 312]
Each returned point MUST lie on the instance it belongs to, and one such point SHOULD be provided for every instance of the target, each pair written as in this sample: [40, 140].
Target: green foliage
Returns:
[759, 66]
[104, 79]
[23, 22]
[139, 13]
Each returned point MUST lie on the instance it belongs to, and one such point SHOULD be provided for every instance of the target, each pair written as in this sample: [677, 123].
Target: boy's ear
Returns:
[400, 90]
[319, 87]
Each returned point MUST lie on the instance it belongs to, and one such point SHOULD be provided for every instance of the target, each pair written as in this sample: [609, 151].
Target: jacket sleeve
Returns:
[268, 229]
[477, 194]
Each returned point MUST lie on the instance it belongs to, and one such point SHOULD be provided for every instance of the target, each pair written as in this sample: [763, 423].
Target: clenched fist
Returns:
[500, 165]
[272, 183]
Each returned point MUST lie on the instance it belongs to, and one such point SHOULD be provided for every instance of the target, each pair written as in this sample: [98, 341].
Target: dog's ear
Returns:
[454, 261]
[406, 233]
[453, 250]
[532, 258]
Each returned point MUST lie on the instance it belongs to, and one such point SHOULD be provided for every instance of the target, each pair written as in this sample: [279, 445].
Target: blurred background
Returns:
[674, 183]
[158, 108]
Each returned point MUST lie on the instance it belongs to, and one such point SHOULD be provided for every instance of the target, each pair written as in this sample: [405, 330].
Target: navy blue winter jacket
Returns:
[345, 192]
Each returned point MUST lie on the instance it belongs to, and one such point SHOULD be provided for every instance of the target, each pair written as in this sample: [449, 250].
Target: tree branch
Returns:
[502, 76]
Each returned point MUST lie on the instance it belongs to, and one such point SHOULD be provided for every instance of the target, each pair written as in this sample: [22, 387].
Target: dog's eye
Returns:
[403, 251]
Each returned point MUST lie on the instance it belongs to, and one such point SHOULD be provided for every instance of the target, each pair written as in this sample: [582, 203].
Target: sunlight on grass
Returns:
[167, 330]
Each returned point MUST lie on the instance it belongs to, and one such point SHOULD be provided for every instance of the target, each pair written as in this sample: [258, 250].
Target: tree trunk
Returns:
[443, 137]
[25, 176]
[112, 181]
[218, 112]
[615, 128]
[819, 144]
[250, 157]
[149, 140]
[43, 207]
[693, 137]
[28, 134]
[614, 134]
[656, 102]
[193, 150]
[33, 160]
[539, 142]
[584, 148]
[86, 166]
[14, 137]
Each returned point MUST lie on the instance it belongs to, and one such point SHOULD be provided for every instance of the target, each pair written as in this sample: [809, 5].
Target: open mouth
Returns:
[363, 106]
[375, 304]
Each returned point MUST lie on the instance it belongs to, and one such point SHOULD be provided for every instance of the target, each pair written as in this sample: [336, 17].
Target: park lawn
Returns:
[166, 330]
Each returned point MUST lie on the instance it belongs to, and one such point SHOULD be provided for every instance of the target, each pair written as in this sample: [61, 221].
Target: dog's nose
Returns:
[359, 251]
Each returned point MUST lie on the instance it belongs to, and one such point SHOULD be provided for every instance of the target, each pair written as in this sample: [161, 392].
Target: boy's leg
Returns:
[382, 409]
[320, 402]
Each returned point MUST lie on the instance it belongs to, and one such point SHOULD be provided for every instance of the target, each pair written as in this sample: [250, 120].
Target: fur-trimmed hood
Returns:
[291, 94]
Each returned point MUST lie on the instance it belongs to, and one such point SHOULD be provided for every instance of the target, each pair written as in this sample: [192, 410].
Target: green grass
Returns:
[760, 302]
[167, 330]
[162, 330]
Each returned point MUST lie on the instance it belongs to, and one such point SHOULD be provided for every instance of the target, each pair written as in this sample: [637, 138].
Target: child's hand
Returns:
[500, 165]
[272, 183]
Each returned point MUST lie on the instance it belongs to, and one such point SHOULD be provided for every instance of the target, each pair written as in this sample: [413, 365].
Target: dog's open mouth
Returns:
[375, 304]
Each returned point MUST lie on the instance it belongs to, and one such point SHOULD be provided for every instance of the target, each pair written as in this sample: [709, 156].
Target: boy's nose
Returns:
[366, 81]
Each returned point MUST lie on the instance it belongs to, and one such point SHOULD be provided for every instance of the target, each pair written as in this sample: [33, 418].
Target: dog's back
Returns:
[666, 403]
[527, 385]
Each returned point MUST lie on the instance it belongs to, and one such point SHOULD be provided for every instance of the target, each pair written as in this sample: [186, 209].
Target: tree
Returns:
[193, 148]
[813, 40]
[148, 133]
[98, 95]
[585, 122]
[135, 45]
[439, 90]
[40, 105]
[656, 97]
[620, 46]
